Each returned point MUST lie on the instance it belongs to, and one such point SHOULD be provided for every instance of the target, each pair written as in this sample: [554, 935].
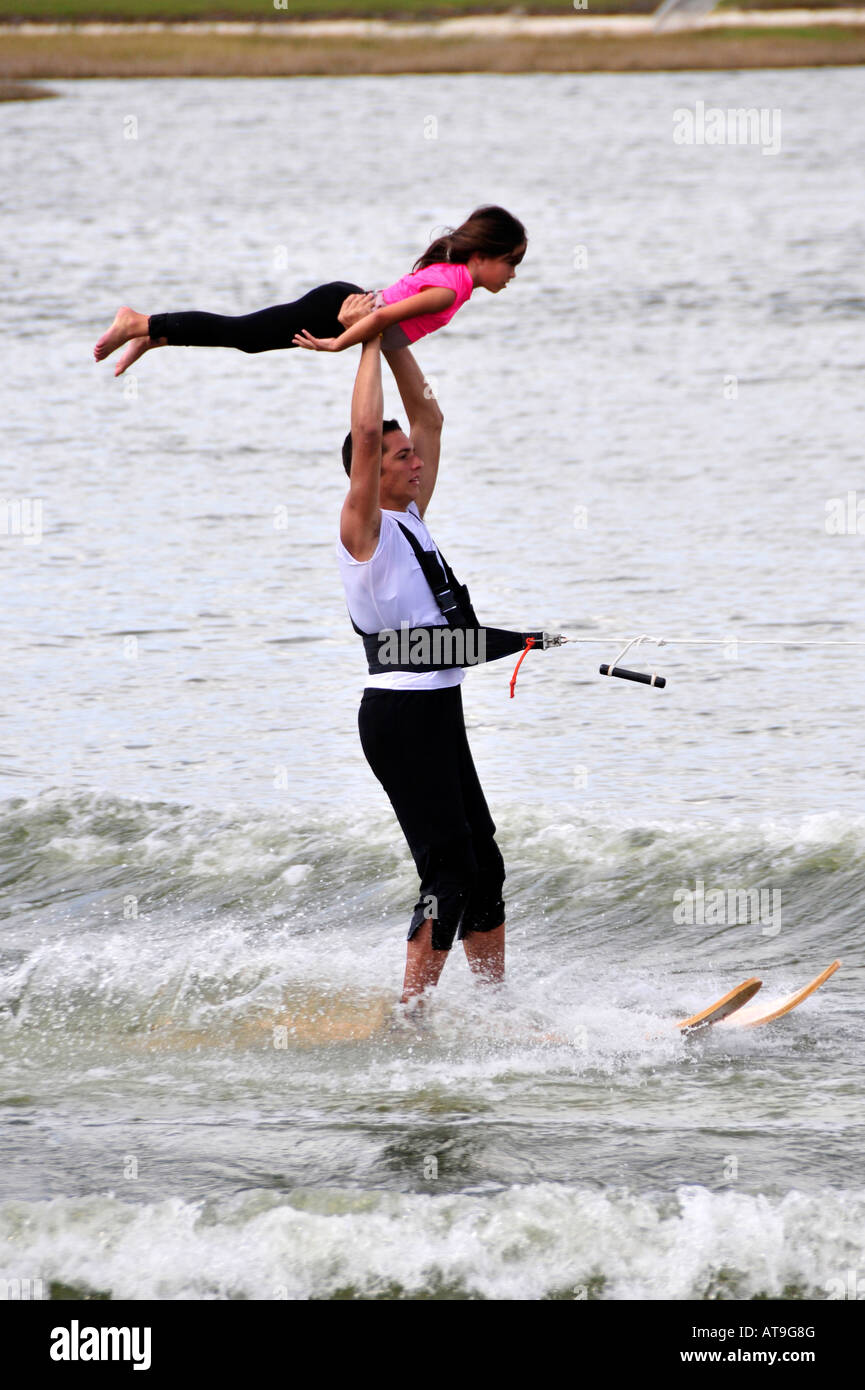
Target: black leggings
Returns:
[263, 331]
[415, 742]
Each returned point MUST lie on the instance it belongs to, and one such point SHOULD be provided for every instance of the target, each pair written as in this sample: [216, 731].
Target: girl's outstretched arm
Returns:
[428, 301]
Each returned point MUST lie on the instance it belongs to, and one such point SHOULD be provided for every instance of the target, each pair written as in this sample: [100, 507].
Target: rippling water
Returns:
[203, 897]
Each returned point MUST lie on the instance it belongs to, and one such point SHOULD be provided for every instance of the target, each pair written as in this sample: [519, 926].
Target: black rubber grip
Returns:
[659, 681]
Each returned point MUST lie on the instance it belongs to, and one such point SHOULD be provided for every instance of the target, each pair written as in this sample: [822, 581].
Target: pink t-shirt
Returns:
[452, 277]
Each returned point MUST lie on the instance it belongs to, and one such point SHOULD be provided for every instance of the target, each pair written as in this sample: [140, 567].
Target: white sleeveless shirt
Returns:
[390, 589]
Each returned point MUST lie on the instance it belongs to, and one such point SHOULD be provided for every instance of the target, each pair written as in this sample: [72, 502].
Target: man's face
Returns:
[400, 472]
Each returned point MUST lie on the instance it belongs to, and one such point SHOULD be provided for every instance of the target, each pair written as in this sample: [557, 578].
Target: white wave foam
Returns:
[522, 1243]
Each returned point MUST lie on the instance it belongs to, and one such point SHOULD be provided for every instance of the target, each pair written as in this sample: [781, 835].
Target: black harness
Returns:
[460, 641]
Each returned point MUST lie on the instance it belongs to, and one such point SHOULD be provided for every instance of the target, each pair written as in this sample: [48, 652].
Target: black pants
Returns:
[263, 331]
[415, 742]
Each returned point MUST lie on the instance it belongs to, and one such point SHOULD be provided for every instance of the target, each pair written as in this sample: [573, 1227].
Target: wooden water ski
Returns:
[769, 1009]
[722, 1008]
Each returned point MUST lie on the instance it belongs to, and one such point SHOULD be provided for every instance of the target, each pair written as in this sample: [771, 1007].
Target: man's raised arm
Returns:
[424, 419]
[360, 522]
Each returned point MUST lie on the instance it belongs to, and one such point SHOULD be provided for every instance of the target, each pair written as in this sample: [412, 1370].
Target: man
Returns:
[411, 723]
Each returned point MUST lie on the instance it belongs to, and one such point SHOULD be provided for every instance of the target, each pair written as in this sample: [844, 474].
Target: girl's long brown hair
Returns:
[489, 231]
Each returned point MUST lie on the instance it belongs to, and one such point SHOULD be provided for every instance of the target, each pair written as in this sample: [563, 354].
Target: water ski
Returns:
[769, 1009]
[730, 1002]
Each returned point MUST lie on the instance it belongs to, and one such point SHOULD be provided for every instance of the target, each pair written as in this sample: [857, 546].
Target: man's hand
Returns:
[355, 307]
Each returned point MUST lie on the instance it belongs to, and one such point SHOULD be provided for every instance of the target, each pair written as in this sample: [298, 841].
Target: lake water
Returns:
[656, 429]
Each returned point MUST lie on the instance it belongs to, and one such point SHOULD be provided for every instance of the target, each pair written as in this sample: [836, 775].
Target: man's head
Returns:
[387, 427]
[400, 466]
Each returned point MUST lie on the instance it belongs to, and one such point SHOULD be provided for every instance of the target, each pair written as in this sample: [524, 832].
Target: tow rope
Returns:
[659, 682]
[614, 669]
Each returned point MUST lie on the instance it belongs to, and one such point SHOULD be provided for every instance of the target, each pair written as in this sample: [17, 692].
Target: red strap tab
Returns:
[530, 642]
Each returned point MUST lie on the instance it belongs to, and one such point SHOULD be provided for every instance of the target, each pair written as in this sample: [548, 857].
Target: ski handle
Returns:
[641, 676]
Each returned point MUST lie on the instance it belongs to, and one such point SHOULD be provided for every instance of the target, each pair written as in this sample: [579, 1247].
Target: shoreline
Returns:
[497, 26]
[481, 43]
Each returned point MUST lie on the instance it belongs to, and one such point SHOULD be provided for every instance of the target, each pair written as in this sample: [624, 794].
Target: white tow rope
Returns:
[614, 669]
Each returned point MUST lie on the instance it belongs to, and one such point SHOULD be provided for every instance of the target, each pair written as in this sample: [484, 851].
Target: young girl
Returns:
[482, 252]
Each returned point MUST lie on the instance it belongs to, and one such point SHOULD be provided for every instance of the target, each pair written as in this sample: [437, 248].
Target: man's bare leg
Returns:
[423, 965]
[485, 953]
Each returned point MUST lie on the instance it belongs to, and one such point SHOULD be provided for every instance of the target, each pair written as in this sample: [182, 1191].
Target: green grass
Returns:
[78, 10]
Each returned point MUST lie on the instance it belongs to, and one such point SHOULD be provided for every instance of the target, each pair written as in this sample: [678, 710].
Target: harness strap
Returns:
[441, 648]
[460, 641]
[451, 596]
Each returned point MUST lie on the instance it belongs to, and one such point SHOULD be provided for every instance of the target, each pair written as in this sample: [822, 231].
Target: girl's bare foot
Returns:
[133, 352]
[127, 324]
